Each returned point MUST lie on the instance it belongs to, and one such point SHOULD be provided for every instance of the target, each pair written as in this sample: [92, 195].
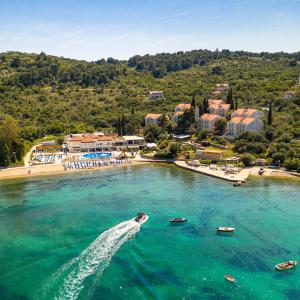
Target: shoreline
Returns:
[57, 169]
[49, 170]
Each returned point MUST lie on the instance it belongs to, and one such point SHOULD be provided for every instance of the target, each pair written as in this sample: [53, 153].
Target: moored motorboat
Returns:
[230, 278]
[141, 217]
[237, 183]
[225, 229]
[286, 265]
[178, 220]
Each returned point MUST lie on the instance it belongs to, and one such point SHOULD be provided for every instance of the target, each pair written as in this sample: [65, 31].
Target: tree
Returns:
[174, 149]
[270, 117]
[229, 99]
[132, 110]
[247, 159]
[205, 105]
[11, 145]
[193, 103]
[236, 104]
[163, 122]
[185, 121]
[152, 132]
[217, 70]
[220, 125]
[278, 158]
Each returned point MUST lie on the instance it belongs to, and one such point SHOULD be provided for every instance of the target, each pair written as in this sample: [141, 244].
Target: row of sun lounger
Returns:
[48, 159]
[94, 163]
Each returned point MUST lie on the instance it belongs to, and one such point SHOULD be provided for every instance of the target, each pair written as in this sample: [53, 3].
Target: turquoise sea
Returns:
[48, 226]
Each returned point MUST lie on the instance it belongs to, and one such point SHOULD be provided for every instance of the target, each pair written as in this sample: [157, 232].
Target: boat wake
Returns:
[94, 259]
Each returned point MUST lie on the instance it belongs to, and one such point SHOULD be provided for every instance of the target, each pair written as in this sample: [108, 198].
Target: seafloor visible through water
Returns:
[54, 242]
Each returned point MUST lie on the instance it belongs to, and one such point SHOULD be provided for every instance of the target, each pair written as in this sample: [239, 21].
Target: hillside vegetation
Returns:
[54, 95]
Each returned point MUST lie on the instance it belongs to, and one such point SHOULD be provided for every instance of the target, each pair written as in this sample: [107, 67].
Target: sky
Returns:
[95, 29]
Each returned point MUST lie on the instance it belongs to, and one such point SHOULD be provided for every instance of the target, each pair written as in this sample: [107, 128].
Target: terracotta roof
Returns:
[215, 101]
[245, 121]
[87, 140]
[178, 113]
[248, 111]
[217, 106]
[210, 117]
[153, 116]
[184, 105]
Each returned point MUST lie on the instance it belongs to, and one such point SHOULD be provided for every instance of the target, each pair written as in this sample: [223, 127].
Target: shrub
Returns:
[247, 159]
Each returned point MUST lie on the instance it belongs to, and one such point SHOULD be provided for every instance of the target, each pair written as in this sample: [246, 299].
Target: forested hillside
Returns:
[54, 95]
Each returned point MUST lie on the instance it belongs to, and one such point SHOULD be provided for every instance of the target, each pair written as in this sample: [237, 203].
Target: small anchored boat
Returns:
[178, 220]
[237, 183]
[286, 265]
[230, 278]
[225, 229]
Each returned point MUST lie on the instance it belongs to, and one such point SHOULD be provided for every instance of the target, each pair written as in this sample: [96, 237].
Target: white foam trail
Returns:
[95, 258]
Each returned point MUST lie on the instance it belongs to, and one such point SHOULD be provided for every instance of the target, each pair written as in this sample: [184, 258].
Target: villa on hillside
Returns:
[213, 155]
[288, 95]
[179, 110]
[92, 142]
[207, 121]
[176, 115]
[221, 109]
[222, 87]
[182, 107]
[238, 125]
[152, 119]
[154, 95]
[247, 113]
[215, 102]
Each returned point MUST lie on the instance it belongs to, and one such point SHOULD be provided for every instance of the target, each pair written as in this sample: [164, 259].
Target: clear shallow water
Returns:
[46, 222]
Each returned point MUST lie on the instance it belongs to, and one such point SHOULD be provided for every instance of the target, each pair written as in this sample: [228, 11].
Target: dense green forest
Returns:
[53, 95]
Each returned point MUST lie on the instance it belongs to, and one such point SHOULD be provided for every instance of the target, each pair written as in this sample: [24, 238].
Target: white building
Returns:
[154, 95]
[288, 95]
[222, 87]
[182, 107]
[207, 121]
[96, 143]
[152, 119]
[238, 125]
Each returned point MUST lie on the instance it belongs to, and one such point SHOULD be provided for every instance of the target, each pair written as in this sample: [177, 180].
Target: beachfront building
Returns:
[213, 155]
[247, 113]
[222, 87]
[207, 121]
[93, 142]
[288, 95]
[155, 95]
[181, 107]
[134, 142]
[152, 119]
[238, 125]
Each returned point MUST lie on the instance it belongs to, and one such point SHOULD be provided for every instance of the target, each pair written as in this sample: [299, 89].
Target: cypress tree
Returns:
[205, 106]
[270, 114]
[193, 103]
[236, 104]
[123, 124]
[119, 127]
[132, 110]
[201, 111]
[229, 99]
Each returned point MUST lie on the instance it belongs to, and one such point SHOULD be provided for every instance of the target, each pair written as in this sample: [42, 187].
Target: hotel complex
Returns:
[92, 142]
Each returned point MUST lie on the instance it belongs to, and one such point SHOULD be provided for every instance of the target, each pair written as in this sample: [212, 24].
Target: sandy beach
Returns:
[44, 170]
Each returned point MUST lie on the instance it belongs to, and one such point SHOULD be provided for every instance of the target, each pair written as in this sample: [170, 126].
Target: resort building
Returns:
[237, 125]
[222, 87]
[213, 155]
[152, 119]
[154, 95]
[219, 109]
[207, 121]
[134, 142]
[99, 142]
[216, 93]
[247, 113]
[182, 107]
[176, 115]
[288, 95]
